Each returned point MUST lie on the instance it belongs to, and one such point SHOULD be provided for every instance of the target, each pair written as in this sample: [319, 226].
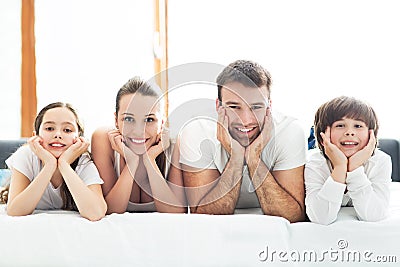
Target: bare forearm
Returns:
[273, 198]
[164, 198]
[222, 198]
[90, 205]
[26, 201]
[118, 197]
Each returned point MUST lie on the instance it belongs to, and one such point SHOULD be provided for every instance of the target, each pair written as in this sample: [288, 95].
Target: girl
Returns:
[134, 158]
[349, 171]
[54, 171]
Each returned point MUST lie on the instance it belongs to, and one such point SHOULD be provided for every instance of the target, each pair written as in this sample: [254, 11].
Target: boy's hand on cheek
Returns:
[359, 158]
[335, 155]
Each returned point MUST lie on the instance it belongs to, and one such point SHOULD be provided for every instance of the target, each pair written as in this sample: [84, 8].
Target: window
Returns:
[10, 69]
[86, 50]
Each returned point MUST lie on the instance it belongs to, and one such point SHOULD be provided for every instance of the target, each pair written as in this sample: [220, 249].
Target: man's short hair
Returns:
[246, 72]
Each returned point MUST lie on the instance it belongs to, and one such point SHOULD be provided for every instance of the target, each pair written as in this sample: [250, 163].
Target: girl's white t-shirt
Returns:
[26, 162]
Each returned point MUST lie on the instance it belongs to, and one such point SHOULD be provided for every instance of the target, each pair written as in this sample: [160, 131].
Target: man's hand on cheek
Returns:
[223, 135]
[254, 150]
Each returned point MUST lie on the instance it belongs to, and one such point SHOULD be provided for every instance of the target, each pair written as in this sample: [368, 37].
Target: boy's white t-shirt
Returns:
[200, 148]
[26, 162]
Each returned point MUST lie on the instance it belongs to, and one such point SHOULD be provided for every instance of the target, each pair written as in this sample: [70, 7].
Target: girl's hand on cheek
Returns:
[79, 146]
[36, 145]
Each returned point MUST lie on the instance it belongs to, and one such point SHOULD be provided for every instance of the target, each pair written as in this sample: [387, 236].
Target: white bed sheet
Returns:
[61, 238]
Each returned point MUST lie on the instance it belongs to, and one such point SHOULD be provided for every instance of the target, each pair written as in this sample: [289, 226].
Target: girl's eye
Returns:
[339, 125]
[358, 126]
[149, 119]
[68, 130]
[49, 128]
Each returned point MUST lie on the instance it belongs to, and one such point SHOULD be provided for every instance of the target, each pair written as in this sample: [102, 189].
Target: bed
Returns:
[63, 238]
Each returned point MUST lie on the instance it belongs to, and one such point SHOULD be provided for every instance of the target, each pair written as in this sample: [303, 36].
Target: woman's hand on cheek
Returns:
[116, 141]
[36, 145]
[118, 144]
[161, 144]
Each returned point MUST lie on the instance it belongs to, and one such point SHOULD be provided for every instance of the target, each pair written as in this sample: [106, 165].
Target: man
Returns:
[249, 158]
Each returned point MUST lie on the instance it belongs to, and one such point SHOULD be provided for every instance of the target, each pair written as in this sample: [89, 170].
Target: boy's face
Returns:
[349, 135]
[246, 109]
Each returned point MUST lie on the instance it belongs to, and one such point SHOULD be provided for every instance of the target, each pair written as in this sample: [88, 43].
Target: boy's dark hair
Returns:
[343, 107]
[246, 72]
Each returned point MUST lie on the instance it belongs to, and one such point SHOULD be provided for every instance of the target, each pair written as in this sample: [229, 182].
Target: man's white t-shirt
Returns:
[200, 149]
[26, 162]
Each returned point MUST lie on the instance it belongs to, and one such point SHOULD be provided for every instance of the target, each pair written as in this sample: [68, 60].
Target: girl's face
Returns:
[349, 135]
[58, 130]
[139, 121]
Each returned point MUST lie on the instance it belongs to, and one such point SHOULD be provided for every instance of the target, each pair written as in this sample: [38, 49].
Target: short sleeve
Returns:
[87, 171]
[198, 144]
[287, 150]
[24, 161]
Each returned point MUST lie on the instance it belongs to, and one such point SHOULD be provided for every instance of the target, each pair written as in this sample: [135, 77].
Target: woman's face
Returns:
[349, 135]
[139, 121]
[58, 130]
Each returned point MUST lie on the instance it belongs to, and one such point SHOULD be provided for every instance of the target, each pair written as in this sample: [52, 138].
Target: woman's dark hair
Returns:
[137, 85]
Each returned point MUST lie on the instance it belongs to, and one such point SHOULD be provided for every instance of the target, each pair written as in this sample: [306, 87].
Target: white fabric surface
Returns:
[61, 238]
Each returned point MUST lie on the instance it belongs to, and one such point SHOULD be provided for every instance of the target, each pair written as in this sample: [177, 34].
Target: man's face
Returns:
[246, 108]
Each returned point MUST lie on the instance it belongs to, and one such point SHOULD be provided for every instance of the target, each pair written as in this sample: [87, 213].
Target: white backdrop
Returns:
[314, 49]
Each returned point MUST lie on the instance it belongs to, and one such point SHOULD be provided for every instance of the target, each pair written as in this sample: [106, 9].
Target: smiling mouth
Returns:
[349, 143]
[57, 145]
[245, 130]
[138, 141]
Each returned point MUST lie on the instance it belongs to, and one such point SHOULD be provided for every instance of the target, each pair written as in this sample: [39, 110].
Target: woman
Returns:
[135, 158]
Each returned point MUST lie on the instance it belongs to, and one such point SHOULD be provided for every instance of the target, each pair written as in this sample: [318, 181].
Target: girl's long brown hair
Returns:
[68, 201]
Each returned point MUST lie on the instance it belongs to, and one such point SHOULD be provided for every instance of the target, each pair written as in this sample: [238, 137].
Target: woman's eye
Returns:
[149, 120]
[128, 119]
